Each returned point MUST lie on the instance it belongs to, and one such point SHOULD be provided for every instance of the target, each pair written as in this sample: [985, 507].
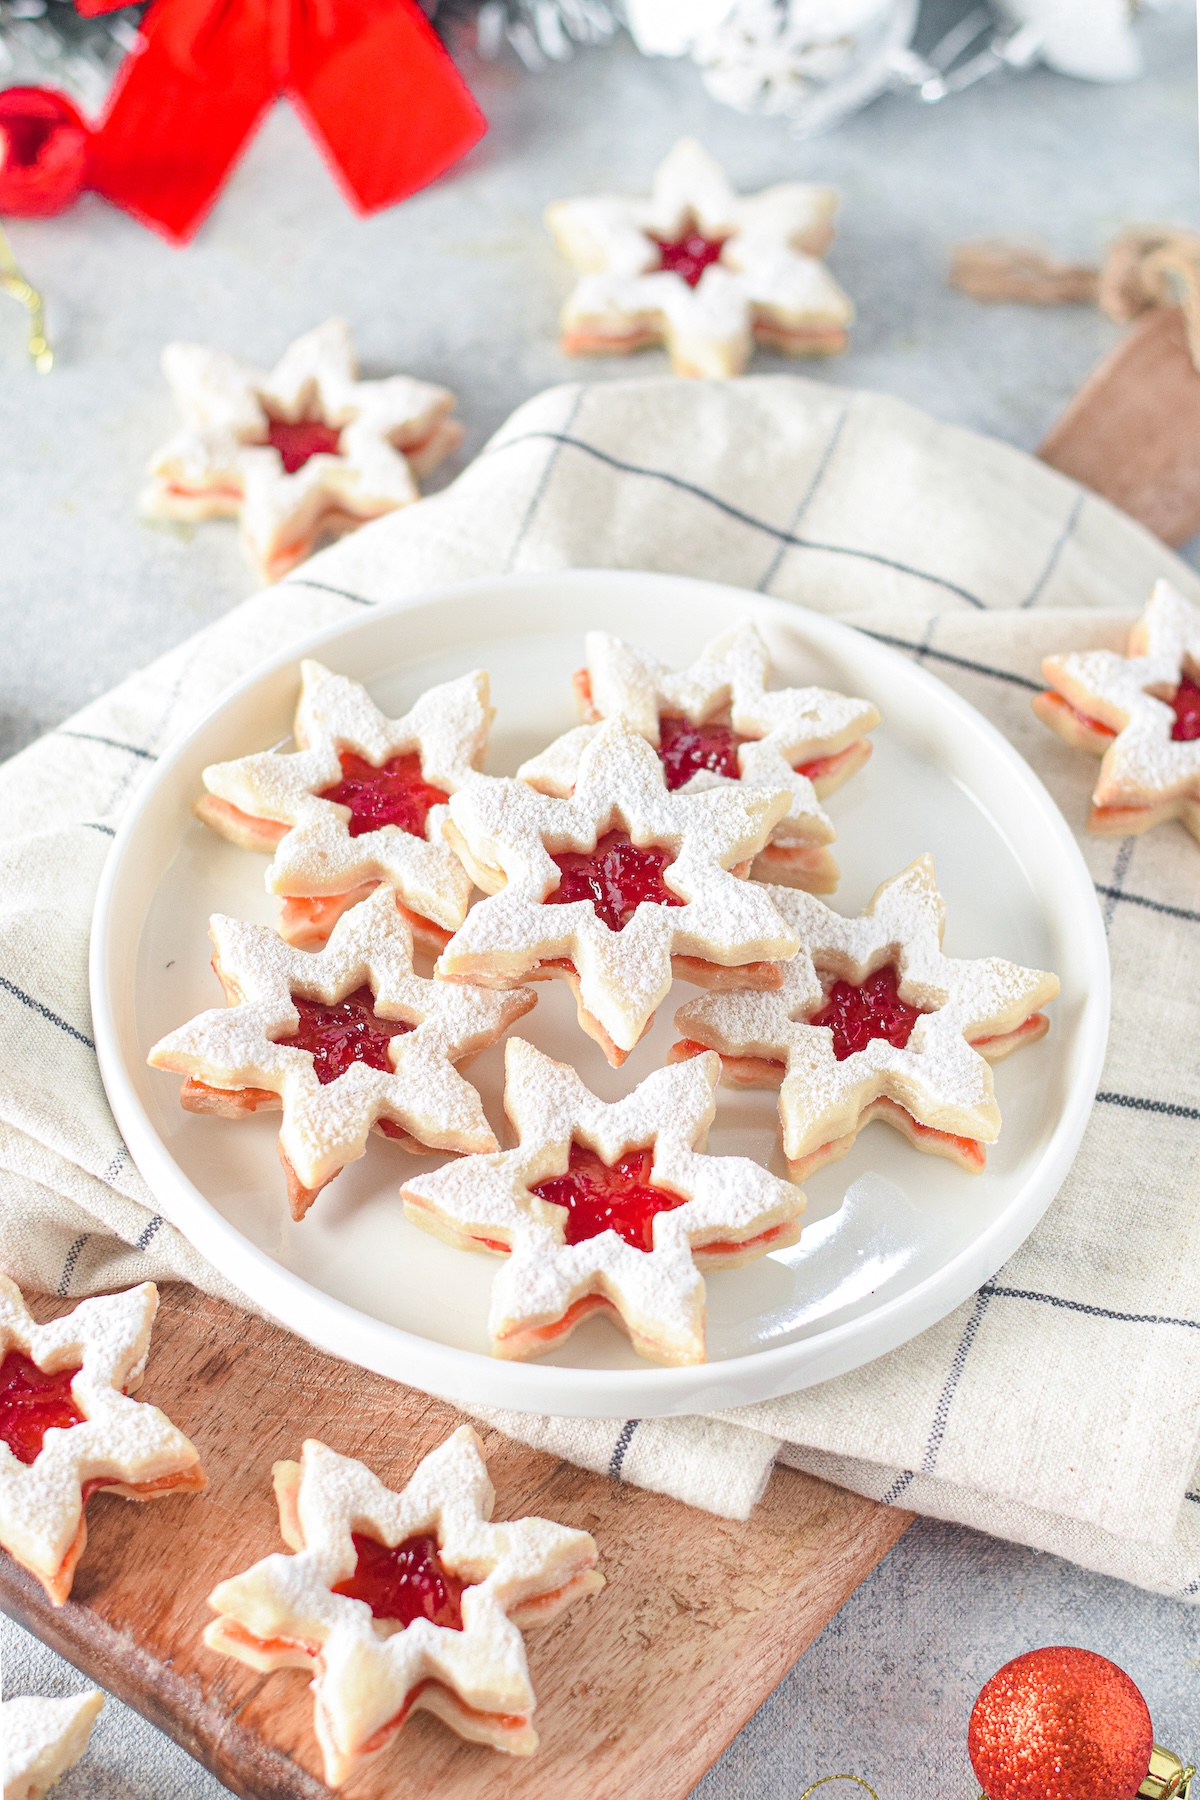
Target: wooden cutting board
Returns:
[639, 1690]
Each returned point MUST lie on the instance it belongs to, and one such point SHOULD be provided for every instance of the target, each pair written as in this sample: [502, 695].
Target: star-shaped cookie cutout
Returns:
[1140, 713]
[716, 722]
[873, 1021]
[701, 269]
[304, 452]
[362, 801]
[68, 1427]
[610, 1208]
[345, 1039]
[614, 886]
[42, 1739]
[400, 1601]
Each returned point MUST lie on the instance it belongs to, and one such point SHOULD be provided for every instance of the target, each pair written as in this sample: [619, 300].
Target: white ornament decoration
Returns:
[369, 1676]
[1091, 39]
[222, 464]
[733, 1210]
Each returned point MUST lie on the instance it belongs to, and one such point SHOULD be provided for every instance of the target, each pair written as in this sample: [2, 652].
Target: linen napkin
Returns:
[1061, 1405]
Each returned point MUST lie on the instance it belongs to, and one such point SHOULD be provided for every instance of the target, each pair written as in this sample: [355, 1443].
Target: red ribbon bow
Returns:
[370, 79]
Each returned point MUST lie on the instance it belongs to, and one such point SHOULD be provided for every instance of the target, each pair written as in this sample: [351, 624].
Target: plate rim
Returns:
[470, 1377]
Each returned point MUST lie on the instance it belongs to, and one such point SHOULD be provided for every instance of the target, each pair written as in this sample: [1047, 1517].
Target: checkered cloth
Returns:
[1061, 1405]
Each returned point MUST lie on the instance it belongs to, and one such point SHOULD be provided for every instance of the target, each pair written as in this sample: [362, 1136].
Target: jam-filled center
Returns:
[855, 1015]
[688, 256]
[297, 440]
[395, 794]
[1186, 705]
[33, 1403]
[616, 877]
[347, 1032]
[406, 1582]
[601, 1196]
[684, 749]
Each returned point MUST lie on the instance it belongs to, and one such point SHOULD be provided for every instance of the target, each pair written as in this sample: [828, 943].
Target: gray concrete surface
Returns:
[460, 285]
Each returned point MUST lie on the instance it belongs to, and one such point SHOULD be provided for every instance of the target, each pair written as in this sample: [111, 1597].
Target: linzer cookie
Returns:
[303, 453]
[703, 270]
[717, 722]
[398, 1602]
[68, 1428]
[874, 1022]
[41, 1739]
[345, 1040]
[615, 886]
[361, 801]
[1140, 713]
[606, 1208]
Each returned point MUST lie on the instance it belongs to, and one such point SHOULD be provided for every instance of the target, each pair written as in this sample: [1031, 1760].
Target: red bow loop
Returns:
[370, 78]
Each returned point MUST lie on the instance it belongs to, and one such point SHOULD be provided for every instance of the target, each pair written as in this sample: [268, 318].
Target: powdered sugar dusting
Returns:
[659, 1294]
[448, 727]
[326, 1126]
[222, 465]
[363, 1672]
[938, 1078]
[508, 831]
[769, 274]
[121, 1438]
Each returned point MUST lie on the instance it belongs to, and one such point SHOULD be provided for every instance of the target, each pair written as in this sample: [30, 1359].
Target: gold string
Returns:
[824, 1778]
[12, 282]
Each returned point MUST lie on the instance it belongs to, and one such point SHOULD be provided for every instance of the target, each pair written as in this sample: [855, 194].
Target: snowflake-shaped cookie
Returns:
[615, 885]
[606, 1208]
[41, 1739]
[1140, 713]
[69, 1428]
[717, 722]
[304, 452]
[324, 808]
[873, 1021]
[345, 1039]
[704, 270]
[436, 1624]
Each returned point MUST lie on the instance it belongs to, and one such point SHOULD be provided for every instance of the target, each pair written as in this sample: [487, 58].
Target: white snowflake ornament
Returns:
[362, 801]
[616, 887]
[345, 1040]
[873, 1021]
[402, 1601]
[41, 1739]
[716, 723]
[304, 452]
[1140, 713]
[68, 1427]
[701, 269]
[610, 1208]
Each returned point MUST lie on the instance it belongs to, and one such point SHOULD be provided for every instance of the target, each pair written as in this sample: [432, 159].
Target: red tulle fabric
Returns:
[370, 79]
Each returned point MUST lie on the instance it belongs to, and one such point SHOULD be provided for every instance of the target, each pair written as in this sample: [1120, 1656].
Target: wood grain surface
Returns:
[639, 1690]
[1132, 432]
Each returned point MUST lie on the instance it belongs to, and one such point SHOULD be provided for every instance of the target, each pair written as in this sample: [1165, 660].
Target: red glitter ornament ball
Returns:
[1060, 1724]
[44, 149]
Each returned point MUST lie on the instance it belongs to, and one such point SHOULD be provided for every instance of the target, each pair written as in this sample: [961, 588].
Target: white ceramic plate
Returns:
[893, 1240]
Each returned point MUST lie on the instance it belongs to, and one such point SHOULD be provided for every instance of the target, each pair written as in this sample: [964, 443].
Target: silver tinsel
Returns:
[539, 31]
[45, 43]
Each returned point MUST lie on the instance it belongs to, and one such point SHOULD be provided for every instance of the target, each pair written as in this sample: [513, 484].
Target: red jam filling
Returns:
[396, 794]
[33, 1403]
[599, 1196]
[855, 1015]
[405, 1583]
[688, 256]
[616, 877]
[345, 1033]
[1186, 702]
[684, 749]
[297, 442]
